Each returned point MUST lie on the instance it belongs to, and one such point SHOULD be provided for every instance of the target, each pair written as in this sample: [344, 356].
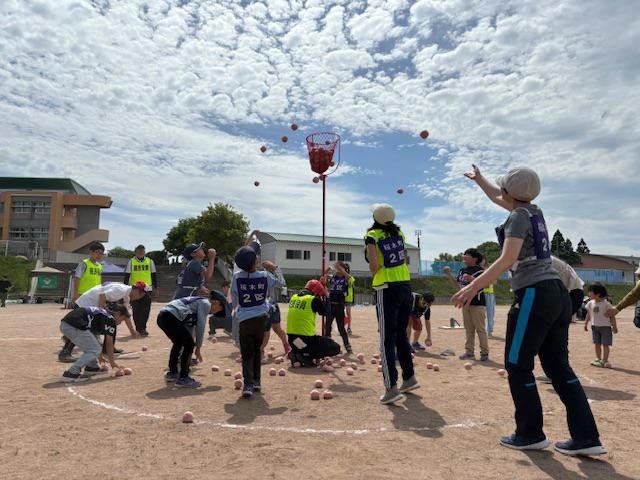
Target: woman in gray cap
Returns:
[538, 322]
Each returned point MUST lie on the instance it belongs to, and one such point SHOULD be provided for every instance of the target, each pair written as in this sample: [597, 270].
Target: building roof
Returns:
[66, 185]
[603, 262]
[267, 237]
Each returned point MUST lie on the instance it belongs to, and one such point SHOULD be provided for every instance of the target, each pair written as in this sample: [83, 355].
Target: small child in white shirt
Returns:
[603, 327]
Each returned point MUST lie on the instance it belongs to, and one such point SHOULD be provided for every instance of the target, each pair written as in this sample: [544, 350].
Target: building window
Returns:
[294, 254]
[40, 233]
[307, 255]
[18, 233]
[42, 208]
[332, 256]
[344, 257]
[21, 207]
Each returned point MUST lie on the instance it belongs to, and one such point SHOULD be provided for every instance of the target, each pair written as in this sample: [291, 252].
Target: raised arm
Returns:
[491, 191]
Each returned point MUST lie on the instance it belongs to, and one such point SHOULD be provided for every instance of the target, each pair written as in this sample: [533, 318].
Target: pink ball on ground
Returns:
[269, 355]
[145, 348]
[436, 367]
[379, 368]
[127, 371]
[282, 372]
[354, 365]
[468, 366]
[343, 362]
[327, 395]
[119, 373]
[272, 348]
[187, 417]
[215, 368]
[374, 361]
[104, 368]
[350, 371]
[278, 360]
[239, 360]
[328, 369]
[361, 361]
[227, 373]
[429, 365]
[318, 383]
[360, 356]
[377, 356]
[297, 365]
[238, 375]
[502, 372]
[315, 395]
[273, 372]
[328, 361]
[237, 384]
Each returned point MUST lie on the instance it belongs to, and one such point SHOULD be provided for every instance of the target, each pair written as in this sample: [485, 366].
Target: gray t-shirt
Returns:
[529, 269]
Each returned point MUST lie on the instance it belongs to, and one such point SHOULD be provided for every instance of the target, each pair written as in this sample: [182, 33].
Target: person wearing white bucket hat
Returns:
[538, 322]
[387, 257]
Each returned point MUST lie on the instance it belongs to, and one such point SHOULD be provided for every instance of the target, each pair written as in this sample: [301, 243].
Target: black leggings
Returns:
[183, 343]
[251, 336]
[337, 312]
[141, 309]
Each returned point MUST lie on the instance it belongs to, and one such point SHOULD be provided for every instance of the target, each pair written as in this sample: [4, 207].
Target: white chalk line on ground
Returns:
[468, 424]
[22, 339]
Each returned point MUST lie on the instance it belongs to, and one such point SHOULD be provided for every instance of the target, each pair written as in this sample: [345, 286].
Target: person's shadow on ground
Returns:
[245, 411]
[171, 391]
[592, 469]
[413, 415]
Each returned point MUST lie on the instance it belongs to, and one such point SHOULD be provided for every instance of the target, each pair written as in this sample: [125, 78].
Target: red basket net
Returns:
[321, 147]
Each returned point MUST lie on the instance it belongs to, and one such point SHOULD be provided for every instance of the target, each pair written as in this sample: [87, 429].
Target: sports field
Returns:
[130, 427]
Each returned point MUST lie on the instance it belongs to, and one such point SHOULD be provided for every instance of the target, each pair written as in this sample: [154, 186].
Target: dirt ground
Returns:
[130, 427]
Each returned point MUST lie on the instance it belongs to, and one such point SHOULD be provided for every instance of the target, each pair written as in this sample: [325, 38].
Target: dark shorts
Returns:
[602, 335]
[274, 317]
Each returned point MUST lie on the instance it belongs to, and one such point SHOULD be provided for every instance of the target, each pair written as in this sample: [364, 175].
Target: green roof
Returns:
[66, 185]
[296, 237]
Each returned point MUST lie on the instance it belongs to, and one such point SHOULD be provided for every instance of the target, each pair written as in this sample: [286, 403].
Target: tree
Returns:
[582, 247]
[159, 257]
[219, 226]
[178, 237]
[490, 250]
[447, 257]
[120, 252]
[563, 249]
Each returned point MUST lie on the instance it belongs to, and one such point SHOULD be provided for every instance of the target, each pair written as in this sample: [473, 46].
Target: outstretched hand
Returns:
[475, 174]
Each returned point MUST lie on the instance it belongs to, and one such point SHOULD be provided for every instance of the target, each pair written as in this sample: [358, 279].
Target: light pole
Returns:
[418, 233]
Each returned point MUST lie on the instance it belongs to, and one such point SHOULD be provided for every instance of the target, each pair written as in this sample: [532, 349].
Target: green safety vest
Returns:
[140, 271]
[349, 296]
[384, 275]
[91, 277]
[301, 319]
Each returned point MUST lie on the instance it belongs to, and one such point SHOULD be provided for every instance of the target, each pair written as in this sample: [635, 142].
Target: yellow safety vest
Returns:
[349, 296]
[398, 273]
[489, 289]
[301, 319]
[140, 271]
[91, 277]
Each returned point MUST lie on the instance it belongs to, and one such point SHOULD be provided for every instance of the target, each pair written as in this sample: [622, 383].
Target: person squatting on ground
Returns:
[538, 322]
[193, 277]
[82, 326]
[421, 306]
[181, 320]
[249, 289]
[387, 257]
[301, 326]
[100, 296]
[603, 327]
[338, 285]
[474, 313]
[141, 268]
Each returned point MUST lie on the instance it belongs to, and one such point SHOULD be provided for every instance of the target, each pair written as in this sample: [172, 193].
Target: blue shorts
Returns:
[274, 317]
[602, 336]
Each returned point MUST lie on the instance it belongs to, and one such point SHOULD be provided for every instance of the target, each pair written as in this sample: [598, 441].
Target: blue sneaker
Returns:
[418, 346]
[247, 390]
[467, 356]
[573, 448]
[187, 382]
[484, 357]
[520, 443]
[170, 377]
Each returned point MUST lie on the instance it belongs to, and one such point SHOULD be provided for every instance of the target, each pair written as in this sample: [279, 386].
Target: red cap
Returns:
[315, 287]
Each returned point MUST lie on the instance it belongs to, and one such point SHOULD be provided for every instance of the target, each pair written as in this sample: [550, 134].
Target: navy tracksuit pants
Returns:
[538, 324]
[393, 307]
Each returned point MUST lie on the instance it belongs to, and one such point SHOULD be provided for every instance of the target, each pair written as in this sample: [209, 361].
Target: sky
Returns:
[164, 105]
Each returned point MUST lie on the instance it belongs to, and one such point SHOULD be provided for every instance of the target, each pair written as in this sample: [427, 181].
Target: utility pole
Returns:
[418, 233]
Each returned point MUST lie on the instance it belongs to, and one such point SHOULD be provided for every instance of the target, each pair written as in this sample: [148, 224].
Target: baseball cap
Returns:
[95, 246]
[383, 213]
[218, 295]
[428, 297]
[245, 257]
[188, 251]
[521, 183]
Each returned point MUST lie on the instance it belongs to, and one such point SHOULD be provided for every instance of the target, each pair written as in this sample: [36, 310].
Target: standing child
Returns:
[249, 296]
[421, 306]
[538, 322]
[182, 320]
[81, 326]
[348, 298]
[473, 314]
[337, 292]
[192, 279]
[603, 326]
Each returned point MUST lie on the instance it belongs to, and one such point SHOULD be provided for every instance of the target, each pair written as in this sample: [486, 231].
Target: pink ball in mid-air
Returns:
[350, 371]
[468, 366]
[215, 368]
[227, 373]
[284, 139]
[502, 372]
[400, 191]
[273, 372]
[318, 383]
[315, 395]
[187, 417]
[256, 183]
[263, 149]
[429, 365]
[436, 367]
[119, 373]
[294, 127]
[327, 395]
[237, 384]
[282, 372]
[424, 134]
[238, 375]
[316, 180]
[145, 348]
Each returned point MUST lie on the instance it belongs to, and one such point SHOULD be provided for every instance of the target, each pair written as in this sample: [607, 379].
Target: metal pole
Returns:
[324, 224]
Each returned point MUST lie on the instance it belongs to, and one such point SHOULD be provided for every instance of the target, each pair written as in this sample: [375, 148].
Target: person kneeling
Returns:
[301, 326]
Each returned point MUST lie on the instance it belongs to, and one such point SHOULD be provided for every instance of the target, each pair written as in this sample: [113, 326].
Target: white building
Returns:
[302, 254]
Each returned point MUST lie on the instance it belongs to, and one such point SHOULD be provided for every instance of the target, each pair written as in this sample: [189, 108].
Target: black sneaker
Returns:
[349, 330]
[92, 370]
[118, 350]
[64, 358]
[247, 390]
[68, 377]
[349, 349]
[572, 447]
[520, 443]
[257, 387]
[144, 333]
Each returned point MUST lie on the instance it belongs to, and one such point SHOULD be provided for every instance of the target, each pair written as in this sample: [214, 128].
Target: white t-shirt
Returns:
[597, 312]
[114, 292]
[568, 275]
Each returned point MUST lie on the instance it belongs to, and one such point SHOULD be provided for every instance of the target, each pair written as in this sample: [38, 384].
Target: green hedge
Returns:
[17, 271]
